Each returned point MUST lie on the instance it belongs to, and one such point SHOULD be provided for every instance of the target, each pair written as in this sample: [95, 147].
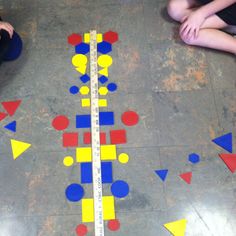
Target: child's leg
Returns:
[178, 9]
[215, 39]
[211, 37]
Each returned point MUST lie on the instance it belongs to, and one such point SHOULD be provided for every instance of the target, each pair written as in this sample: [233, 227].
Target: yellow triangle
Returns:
[104, 71]
[18, 148]
[81, 69]
[177, 228]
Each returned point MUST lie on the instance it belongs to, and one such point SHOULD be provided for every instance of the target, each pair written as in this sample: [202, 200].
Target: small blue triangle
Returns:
[11, 126]
[162, 174]
[225, 141]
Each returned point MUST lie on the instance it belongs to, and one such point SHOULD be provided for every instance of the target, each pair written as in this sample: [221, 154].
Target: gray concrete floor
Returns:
[185, 96]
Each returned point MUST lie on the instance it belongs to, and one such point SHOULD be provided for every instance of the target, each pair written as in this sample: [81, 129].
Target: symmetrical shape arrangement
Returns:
[108, 141]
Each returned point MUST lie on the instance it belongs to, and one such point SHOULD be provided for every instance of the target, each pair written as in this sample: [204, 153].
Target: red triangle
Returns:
[187, 177]
[11, 106]
[2, 115]
[230, 161]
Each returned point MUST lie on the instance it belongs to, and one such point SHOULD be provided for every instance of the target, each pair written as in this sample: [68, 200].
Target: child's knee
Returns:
[174, 9]
[188, 41]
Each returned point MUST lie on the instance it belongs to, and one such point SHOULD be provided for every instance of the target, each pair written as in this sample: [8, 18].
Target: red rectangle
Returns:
[87, 138]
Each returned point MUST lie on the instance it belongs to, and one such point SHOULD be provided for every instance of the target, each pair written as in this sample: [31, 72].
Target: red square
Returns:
[70, 139]
[118, 136]
[87, 138]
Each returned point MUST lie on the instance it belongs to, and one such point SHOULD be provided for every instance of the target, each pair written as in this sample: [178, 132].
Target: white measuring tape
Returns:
[97, 177]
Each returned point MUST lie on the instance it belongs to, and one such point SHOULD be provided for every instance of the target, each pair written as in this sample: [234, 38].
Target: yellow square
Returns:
[87, 38]
[87, 210]
[108, 152]
[85, 102]
[99, 38]
[102, 102]
[84, 154]
[108, 204]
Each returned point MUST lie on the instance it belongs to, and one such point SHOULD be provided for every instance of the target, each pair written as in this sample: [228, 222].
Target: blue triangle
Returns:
[11, 126]
[162, 174]
[225, 141]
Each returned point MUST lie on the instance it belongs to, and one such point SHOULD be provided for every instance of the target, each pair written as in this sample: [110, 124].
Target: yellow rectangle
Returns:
[99, 38]
[87, 38]
[108, 204]
[85, 102]
[108, 152]
[84, 154]
[87, 210]
[102, 102]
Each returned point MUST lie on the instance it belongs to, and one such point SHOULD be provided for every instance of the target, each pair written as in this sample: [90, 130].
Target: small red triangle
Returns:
[230, 161]
[2, 115]
[187, 177]
[11, 106]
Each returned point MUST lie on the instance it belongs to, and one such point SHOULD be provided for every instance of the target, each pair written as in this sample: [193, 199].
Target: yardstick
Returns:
[96, 161]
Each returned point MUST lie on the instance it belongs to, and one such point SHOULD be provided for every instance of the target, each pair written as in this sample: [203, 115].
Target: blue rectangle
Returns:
[106, 118]
[86, 173]
[83, 121]
[107, 176]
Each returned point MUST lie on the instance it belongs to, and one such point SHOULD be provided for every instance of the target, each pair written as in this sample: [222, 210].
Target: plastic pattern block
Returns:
[106, 118]
[86, 173]
[82, 48]
[118, 136]
[107, 176]
[70, 139]
[85, 78]
[103, 79]
[83, 121]
[104, 47]
[88, 140]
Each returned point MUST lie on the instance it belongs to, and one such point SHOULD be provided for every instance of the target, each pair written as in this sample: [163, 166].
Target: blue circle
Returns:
[194, 158]
[74, 89]
[112, 87]
[74, 192]
[120, 189]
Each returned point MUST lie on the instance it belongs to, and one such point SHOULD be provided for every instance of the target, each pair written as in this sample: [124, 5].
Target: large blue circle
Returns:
[120, 189]
[74, 192]
[112, 87]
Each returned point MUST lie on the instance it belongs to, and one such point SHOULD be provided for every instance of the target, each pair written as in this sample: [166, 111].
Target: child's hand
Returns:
[191, 25]
[6, 26]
